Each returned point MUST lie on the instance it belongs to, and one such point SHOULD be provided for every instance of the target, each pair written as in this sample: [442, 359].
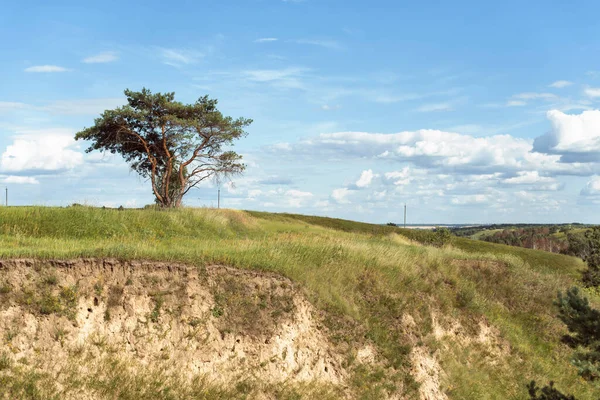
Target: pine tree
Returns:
[583, 322]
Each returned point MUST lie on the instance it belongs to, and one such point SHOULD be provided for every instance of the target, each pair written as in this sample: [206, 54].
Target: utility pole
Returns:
[7, 196]
[219, 198]
[404, 215]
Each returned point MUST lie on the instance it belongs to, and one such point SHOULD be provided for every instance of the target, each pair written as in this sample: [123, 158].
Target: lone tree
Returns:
[175, 145]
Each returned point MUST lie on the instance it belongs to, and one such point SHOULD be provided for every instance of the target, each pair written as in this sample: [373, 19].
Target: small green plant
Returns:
[217, 311]
[5, 361]
[50, 280]
[59, 334]
[5, 288]
[11, 334]
[49, 304]
[194, 322]
[98, 288]
[155, 313]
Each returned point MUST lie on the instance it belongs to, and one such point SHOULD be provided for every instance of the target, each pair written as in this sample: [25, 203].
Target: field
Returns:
[458, 319]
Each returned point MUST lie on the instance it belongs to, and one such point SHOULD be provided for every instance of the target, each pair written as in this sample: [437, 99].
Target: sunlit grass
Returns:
[368, 273]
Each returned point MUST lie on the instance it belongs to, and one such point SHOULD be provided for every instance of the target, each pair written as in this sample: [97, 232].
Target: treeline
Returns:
[538, 238]
[553, 238]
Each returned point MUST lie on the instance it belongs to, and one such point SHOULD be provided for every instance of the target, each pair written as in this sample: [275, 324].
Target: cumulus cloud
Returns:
[592, 187]
[470, 199]
[46, 68]
[528, 178]
[576, 138]
[366, 177]
[40, 153]
[340, 195]
[106, 57]
[297, 198]
[20, 180]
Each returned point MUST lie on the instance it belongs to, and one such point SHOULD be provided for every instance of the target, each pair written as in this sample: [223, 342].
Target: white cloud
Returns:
[266, 40]
[340, 195]
[592, 92]
[592, 187]
[470, 199]
[443, 151]
[399, 178]
[46, 68]
[179, 57]
[365, 179]
[297, 198]
[329, 44]
[528, 177]
[20, 180]
[535, 96]
[560, 84]
[287, 78]
[435, 107]
[516, 103]
[11, 105]
[40, 152]
[83, 106]
[106, 57]
[575, 137]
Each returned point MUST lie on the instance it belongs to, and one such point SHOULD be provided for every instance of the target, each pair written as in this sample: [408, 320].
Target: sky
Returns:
[465, 111]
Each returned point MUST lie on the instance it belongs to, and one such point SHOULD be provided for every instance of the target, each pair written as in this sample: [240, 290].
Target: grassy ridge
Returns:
[364, 276]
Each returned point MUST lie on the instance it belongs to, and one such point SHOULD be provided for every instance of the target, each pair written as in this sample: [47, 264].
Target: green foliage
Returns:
[546, 393]
[583, 322]
[586, 245]
[175, 145]
[5, 361]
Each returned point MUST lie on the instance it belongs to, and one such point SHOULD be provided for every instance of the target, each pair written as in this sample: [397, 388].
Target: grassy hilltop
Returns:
[482, 313]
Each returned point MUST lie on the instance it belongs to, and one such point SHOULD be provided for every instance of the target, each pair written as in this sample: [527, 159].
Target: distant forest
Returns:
[554, 238]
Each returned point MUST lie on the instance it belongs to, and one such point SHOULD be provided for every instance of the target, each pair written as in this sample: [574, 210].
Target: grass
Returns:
[363, 278]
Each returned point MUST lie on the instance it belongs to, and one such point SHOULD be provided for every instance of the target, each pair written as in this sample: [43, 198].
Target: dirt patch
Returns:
[221, 323]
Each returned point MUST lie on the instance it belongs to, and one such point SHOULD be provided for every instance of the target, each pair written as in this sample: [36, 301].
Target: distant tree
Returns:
[546, 393]
[175, 145]
[587, 246]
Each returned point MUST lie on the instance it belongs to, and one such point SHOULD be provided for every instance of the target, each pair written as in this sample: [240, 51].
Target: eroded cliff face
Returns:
[96, 329]
[216, 324]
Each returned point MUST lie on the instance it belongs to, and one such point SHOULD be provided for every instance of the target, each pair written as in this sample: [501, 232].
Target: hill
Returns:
[204, 303]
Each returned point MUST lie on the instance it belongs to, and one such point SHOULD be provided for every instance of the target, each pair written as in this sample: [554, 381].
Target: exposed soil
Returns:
[223, 323]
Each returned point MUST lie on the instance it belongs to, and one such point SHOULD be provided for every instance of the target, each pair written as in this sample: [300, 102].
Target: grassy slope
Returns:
[365, 276]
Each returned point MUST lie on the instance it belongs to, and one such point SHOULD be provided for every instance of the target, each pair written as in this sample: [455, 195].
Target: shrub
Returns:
[548, 392]
[584, 324]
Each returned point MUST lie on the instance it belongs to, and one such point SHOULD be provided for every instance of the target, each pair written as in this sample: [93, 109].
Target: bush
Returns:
[548, 392]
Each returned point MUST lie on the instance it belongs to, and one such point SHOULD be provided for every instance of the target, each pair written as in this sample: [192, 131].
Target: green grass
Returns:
[363, 277]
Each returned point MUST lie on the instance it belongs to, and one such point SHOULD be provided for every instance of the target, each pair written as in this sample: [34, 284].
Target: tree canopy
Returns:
[175, 145]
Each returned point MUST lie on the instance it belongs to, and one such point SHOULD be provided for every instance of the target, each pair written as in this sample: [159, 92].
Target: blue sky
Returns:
[468, 112]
